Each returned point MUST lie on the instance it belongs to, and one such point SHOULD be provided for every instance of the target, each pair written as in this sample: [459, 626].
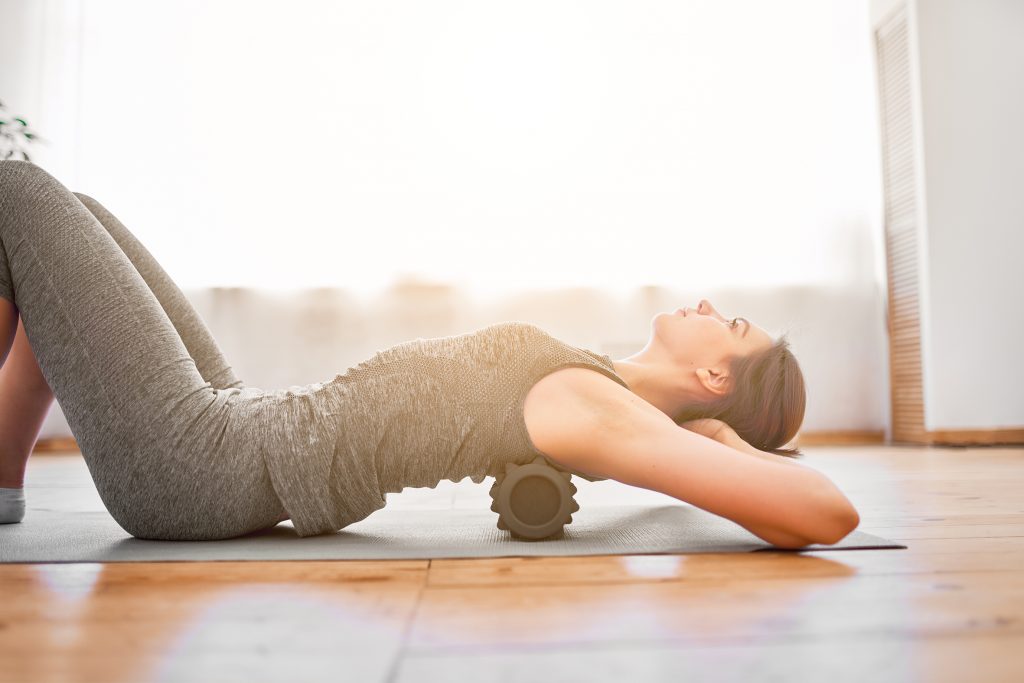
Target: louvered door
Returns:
[901, 229]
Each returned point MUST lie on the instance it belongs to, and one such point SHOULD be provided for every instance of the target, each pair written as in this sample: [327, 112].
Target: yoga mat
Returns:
[66, 522]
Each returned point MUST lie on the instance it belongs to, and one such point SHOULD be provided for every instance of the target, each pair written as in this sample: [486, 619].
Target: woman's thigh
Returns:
[105, 346]
[144, 417]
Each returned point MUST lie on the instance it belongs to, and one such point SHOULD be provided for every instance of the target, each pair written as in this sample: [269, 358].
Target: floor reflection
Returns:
[204, 621]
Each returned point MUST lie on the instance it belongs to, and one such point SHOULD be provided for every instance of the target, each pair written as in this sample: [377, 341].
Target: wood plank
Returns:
[923, 556]
[733, 608]
[864, 657]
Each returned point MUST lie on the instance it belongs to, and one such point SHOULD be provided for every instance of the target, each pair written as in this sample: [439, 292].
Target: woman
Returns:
[180, 449]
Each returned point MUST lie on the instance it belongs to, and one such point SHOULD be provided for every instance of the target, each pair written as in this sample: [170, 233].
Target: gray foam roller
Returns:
[533, 501]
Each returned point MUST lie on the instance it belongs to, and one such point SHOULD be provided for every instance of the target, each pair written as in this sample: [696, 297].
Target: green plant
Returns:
[15, 136]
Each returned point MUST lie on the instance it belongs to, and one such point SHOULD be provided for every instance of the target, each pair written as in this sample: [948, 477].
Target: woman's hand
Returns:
[711, 428]
[721, 432]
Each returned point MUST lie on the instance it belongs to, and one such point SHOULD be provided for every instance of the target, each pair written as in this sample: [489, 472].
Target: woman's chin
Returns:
[665, 326]
[666, 315]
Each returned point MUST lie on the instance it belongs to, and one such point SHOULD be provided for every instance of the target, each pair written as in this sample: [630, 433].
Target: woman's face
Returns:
[703, 337]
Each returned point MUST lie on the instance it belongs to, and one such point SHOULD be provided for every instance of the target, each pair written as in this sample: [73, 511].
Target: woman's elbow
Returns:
[823, 534]
[833, 521]
[837, 522]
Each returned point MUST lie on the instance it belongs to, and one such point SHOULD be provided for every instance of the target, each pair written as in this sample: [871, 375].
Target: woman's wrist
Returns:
[730, 438]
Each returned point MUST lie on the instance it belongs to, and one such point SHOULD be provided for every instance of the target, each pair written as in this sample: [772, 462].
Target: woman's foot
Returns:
[12, 505]
[25, 399]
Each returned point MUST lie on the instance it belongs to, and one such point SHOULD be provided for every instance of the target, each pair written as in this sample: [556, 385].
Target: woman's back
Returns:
[411, 415]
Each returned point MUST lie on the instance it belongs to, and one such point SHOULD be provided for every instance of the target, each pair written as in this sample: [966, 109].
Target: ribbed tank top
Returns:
[411, 415]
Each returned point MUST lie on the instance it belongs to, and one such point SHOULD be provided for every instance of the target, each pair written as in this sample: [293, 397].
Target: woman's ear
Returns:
[715, 380]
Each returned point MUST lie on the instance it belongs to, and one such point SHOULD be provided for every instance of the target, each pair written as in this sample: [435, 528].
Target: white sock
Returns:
[12, 505]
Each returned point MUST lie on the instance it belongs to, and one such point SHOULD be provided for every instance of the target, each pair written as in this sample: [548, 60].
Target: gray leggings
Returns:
[149, 397]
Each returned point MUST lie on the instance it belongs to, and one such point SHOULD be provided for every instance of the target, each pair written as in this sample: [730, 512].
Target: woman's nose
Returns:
[705, 307]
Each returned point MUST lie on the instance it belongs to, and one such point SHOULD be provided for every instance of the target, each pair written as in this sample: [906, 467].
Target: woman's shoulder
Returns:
[584, 387]
[566, 407]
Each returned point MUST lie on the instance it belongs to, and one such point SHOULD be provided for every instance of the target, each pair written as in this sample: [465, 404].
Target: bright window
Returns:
[497, 145]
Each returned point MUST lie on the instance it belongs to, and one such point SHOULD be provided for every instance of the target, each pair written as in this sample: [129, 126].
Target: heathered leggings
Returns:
[145, 389]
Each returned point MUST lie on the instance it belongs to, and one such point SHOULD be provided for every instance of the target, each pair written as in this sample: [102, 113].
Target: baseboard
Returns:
[839, 438]
[55, 445]
[979, 437]
[856, 437]
[820, 438]
[940, 437]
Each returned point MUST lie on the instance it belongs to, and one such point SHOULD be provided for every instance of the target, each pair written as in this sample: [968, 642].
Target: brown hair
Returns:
[766, 404]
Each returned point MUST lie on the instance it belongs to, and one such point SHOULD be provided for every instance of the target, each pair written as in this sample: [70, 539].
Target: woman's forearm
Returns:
[779, 539]
[773, 536]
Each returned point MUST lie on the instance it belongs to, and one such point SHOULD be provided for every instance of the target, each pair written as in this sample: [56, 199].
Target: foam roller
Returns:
[533, 501]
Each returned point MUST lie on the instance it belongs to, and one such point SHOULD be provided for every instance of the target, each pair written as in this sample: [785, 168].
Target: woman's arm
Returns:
[728, 436]
[610, 435]
[723, 433]
[779, 500]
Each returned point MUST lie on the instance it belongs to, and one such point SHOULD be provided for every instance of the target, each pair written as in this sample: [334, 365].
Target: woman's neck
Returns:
[646, 379]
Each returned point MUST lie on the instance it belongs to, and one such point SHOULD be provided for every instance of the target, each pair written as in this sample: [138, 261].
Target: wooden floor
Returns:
[950, 608]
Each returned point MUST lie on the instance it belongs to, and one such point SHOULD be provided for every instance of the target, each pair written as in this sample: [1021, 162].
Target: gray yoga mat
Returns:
[66, 522]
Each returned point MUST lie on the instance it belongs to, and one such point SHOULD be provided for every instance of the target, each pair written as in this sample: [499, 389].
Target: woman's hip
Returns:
[198, 490]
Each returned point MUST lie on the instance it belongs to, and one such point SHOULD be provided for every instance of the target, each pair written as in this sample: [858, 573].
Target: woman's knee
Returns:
[17, 175]
[33, 196]
[89, 202]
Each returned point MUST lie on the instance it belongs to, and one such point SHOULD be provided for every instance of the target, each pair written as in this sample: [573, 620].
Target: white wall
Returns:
[21, 24]
[972, 97]
[40, 77]
[489, 144]
[649, 152]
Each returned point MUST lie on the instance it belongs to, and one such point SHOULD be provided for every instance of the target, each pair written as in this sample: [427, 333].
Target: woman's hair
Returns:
[766, 404]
